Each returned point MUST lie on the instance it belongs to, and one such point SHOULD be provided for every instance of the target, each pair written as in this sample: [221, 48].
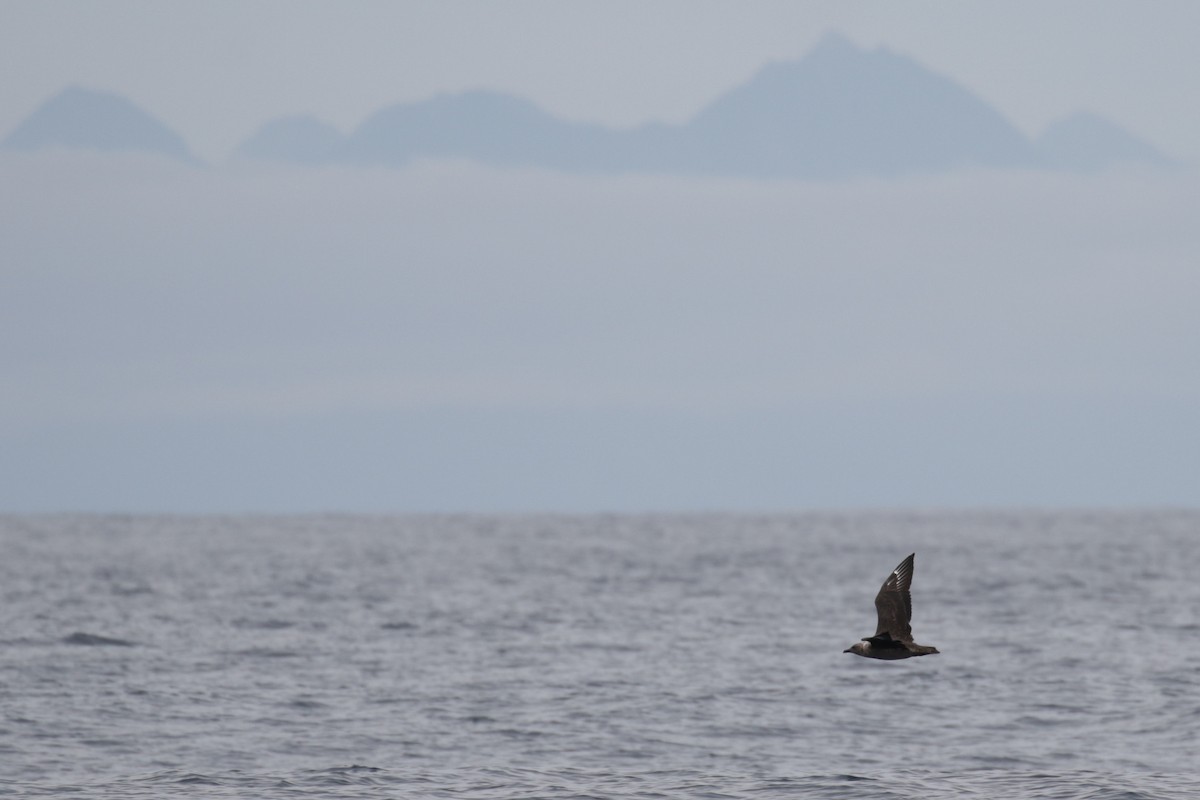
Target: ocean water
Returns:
[597, 656]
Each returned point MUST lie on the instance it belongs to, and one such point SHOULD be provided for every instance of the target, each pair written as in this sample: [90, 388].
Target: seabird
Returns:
[893, 636]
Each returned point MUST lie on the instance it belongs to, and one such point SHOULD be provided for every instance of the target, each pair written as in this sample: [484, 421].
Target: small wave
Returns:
[264, 652]
[1033, 721]
[104, 743]
[520, 733]
[132, 589]
[173, 776]
[352, 775]
[94, 640]
[198, 780]
[306, 704]
[263, 624]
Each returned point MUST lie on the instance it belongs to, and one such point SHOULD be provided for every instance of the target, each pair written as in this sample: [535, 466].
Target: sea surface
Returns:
[598, 656]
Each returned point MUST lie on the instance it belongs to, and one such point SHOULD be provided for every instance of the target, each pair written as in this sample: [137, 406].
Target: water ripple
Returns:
[640, 657]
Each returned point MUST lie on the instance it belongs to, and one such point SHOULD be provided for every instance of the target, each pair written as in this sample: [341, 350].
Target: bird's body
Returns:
[893, 635]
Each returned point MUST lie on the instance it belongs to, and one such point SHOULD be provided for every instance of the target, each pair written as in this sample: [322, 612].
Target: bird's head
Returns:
[858, 648]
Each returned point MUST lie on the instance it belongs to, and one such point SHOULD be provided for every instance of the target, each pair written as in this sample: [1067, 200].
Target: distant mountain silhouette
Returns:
[298, 139]
[1086, 142]
[80, 118]
[483, 126]
[843, 111]
[837, 112]
[840, 111]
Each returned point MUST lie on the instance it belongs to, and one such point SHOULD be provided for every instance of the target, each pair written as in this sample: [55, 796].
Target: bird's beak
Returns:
[847, 650]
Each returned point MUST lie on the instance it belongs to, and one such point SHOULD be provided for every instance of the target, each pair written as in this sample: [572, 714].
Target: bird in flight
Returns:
[893, 636]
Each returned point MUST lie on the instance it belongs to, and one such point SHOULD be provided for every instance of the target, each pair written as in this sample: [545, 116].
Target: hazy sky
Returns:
[448, 337]
[452, 337]
[217, 70]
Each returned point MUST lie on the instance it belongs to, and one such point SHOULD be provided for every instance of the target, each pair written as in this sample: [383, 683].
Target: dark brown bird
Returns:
[893, 636]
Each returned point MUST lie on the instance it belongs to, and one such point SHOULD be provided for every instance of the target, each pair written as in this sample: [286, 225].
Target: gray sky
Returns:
[217, 70]
[451, 337]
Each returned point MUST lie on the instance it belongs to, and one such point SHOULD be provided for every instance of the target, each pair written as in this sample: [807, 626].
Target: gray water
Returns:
[597, 656]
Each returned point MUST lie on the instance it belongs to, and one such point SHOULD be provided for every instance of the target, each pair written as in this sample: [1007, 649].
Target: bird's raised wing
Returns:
[894, 603]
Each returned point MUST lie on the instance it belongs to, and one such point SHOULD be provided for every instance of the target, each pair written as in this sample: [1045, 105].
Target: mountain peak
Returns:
[300, 138]
[834, 44]
[840, 111]
[80, 118]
